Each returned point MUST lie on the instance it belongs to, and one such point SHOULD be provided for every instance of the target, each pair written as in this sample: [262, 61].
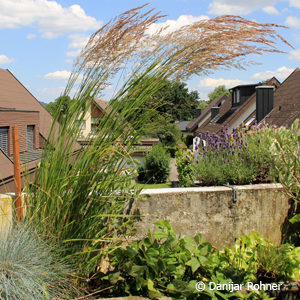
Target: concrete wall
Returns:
[212, 212]
[5, 212]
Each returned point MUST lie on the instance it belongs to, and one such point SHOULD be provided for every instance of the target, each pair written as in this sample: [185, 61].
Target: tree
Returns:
[62, 103]
[176, 102]
[161, 127]
[218, 92]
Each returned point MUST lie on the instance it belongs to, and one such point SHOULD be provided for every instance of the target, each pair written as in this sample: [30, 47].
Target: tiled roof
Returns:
[229, 115]
[286, 102]
[102, 104]
[216, 102]
[15, 96]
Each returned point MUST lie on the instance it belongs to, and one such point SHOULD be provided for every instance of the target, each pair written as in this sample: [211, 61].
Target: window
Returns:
[82, 125]
[30, 131]
[236, 96]
[4, 139]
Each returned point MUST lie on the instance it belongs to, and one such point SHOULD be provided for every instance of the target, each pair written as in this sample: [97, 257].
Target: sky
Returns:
[40, 39]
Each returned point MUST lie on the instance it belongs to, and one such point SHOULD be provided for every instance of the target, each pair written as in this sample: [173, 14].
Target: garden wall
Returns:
[213, 211]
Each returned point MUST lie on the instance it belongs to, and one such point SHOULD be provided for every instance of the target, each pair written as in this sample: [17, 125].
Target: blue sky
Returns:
[40, 39]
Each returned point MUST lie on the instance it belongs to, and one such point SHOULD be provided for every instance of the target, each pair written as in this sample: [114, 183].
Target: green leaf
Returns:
[163, 225]
[160, 235]
[153, 293]
[295, 219]
[194, 264]
[115, 277]
[137, 271]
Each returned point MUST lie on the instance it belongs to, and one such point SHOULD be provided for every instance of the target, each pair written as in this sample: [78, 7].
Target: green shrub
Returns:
[157, 164]
[237, 158]
[275, 264]
[164, 265]
[184, 168]
[285, 151]
[253, 258]
[29, 269]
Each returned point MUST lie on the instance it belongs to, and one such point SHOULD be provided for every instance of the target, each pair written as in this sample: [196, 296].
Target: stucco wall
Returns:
[212, 212]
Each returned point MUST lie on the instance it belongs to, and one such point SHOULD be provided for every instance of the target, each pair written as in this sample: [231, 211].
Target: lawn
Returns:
[155, 186]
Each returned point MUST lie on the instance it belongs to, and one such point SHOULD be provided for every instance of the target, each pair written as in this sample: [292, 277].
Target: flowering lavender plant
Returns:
[238, 157]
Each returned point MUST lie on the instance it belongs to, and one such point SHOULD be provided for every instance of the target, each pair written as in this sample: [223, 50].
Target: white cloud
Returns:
[271, 10]
[48, 94]
[295, 55]
[51, 18]
[73, 53]
[173, 25]
[78, 41]
[58, 75]
[213, 82]
[30, 36]
[293, 22]
[4, 60]
[237, 7]
[295, 3]
[281, 73]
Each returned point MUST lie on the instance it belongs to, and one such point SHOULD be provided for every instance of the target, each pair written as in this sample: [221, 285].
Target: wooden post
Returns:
[17, 171]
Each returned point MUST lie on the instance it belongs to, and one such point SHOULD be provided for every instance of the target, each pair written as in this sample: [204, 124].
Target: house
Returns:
[96, 112]
[286, 107]
[18, 107]
[248, 104]
[92, 118]
[183, 125]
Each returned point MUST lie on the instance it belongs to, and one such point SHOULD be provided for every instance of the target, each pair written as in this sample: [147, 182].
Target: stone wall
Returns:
[214, 213]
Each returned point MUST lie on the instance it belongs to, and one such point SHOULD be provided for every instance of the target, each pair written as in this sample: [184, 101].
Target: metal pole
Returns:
[17, 172]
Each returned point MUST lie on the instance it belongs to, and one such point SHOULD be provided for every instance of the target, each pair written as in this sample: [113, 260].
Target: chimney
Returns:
[214, 111]
[198, 112]
[264, 101]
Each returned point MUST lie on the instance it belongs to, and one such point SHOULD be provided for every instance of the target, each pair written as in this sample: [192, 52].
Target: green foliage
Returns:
[184, 167]
[218, 92]
[167, 132]
[164, 265]
[254, 259]
[59, 106]
[175, 101]
[237, 158]
[161, 264]
[79, 195]
[157, 165]
[275, 264]
[285, 151]
[30, 270]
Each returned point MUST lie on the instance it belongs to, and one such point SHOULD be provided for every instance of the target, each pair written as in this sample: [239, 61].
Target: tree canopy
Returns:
[176, 102]
[63, 102]
[218, 92]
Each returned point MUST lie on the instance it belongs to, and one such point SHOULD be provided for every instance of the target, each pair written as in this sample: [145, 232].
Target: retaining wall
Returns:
[214, 212]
